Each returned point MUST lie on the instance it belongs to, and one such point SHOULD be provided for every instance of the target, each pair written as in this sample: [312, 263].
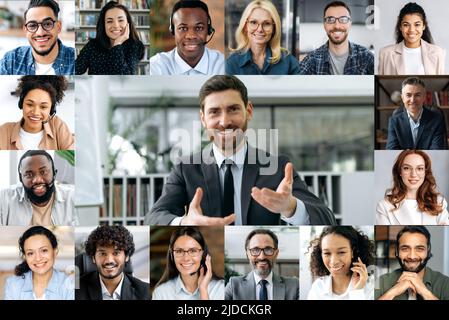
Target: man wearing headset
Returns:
[39, 200]
[191, 25]
[413, 281]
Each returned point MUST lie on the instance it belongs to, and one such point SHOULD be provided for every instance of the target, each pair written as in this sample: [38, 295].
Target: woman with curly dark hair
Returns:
[111, 248]
[414, 51]
[188, 274]
[413, 199]
[39, 127]
[35, 278]
[339, 257]
[116, 48]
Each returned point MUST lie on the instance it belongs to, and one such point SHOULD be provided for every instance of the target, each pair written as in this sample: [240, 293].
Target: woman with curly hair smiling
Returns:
[413, 199]
[338, 261]
[110, 248]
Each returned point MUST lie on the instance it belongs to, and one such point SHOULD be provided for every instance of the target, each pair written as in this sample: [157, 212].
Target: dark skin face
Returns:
[190, 26]
[37, 174]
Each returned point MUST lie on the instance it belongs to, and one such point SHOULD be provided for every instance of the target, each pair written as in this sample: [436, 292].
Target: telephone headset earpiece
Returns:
[52, 109]
[210, 28]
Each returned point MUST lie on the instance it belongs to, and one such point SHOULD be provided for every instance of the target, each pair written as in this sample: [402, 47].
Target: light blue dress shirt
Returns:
[174, 289]
[60, 287]
[414, 125]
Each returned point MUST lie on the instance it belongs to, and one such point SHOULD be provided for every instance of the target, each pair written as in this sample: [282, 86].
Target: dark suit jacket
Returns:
[187, 176]
[431, 132]
[244, 288]
[132, 288]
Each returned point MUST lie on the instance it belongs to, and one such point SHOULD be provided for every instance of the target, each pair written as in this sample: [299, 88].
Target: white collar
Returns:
[238, 158]
[201, 66]
[269, 279]
[117, 292]
[419, 117]
[328, 287]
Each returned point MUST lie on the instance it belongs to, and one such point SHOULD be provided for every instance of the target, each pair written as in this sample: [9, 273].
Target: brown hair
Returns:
[427, 196]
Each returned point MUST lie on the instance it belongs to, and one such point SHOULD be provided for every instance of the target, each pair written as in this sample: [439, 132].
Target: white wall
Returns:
[357, 198]
[387, 12]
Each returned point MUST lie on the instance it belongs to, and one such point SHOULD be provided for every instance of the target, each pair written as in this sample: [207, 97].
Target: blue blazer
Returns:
[60, 287]
[431, 133]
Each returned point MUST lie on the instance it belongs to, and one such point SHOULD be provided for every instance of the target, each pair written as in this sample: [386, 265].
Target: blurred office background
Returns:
[12, 21]
[127, 129]
[10, 254]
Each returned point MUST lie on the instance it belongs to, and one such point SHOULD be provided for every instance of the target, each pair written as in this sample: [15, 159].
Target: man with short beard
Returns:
[110, 248]
[46, 54]
[414, 280]
[39, 200]
[338, 55]
[262, 283]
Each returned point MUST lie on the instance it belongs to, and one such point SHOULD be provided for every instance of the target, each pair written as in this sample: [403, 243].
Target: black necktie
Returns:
[228, 194]
[263, 293]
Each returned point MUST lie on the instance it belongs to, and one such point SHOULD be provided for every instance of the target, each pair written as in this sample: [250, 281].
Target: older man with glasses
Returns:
[46, 54]
[262, 283]
[338, 55]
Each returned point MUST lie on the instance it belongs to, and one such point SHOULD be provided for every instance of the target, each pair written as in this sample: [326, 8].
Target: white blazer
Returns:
[391, 59]
[409, 214]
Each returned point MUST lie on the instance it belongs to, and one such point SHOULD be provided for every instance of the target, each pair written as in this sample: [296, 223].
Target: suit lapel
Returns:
[423, 124]
[127, 290]
[278, 288]
[94, 287]
[399, 58]
[250, 173]
[212, 183]
[249, 287]
[428, 57]
[405, 128]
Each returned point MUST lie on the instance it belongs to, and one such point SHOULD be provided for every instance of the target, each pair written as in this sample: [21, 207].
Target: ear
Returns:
[249, 110]
[59, 26]
[93, 260]
[127, 259]
[203, 122]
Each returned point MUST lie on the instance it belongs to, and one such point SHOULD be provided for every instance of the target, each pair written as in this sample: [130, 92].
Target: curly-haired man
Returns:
[111, 248]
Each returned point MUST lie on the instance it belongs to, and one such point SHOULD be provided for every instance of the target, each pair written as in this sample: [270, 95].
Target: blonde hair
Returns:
[275, 42]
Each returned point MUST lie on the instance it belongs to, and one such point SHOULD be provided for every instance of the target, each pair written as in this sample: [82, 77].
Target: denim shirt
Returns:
[60, 287]
[242, 63]
[20, 61]
[360, 61]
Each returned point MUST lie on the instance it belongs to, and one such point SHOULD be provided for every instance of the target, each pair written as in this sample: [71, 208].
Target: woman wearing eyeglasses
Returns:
[338, 262]
[414, 51]
[116, 48]
[258, 38]
[188, 274]
[413, 199]
[39, 127]
[35, 278]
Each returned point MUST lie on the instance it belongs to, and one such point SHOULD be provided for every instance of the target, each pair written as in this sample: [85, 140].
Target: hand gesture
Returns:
[195, 215]
[359, 275]
[279, 201]
[418, 284]
[123, 37]
[204, 279]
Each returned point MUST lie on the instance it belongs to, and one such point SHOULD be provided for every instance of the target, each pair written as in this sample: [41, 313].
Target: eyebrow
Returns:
[36, 249]
[341, 248]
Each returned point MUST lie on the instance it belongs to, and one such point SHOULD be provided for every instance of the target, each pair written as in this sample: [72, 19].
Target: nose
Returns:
[109, 258]
[225, 120]
[333, 259]
[191, 33]
[37, 179]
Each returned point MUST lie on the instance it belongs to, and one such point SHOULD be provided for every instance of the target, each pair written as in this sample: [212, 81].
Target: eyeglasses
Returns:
[47, 25]
[255, 252]
[44, 173]
[192, 252]
[332, 20]
[254, 25]
[418, 170]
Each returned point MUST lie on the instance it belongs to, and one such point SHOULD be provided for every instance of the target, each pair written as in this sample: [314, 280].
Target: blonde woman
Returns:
[258, 38]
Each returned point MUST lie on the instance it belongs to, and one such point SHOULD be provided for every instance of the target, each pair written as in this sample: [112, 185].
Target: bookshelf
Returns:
[387, 87]
[385, 248]
[86, 15]
[128, 198]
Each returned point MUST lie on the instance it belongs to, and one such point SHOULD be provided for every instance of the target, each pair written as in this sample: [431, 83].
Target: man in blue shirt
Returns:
[338, 55]
[46, 53]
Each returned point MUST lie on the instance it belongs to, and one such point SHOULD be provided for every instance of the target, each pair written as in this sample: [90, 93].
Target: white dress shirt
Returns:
[171, 63]
[269, 285]
[174, 289]
[322, 290]
[408, 213]
[116, 295]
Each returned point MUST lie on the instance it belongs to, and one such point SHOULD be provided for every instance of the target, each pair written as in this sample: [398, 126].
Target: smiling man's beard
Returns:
[262, 272]
[337, 42]
[46, 52]
[421, 265]
[50, 188]
[113, 276]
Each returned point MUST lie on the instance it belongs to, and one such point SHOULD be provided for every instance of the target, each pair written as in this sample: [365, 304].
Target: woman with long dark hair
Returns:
[338, 262]
[188, 274]
[116, 48]
[413, 199]
[414, 51]
[35, 277]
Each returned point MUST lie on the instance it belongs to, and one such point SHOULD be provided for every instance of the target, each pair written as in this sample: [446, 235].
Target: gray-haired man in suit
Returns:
[230, 181]
[262, 283]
